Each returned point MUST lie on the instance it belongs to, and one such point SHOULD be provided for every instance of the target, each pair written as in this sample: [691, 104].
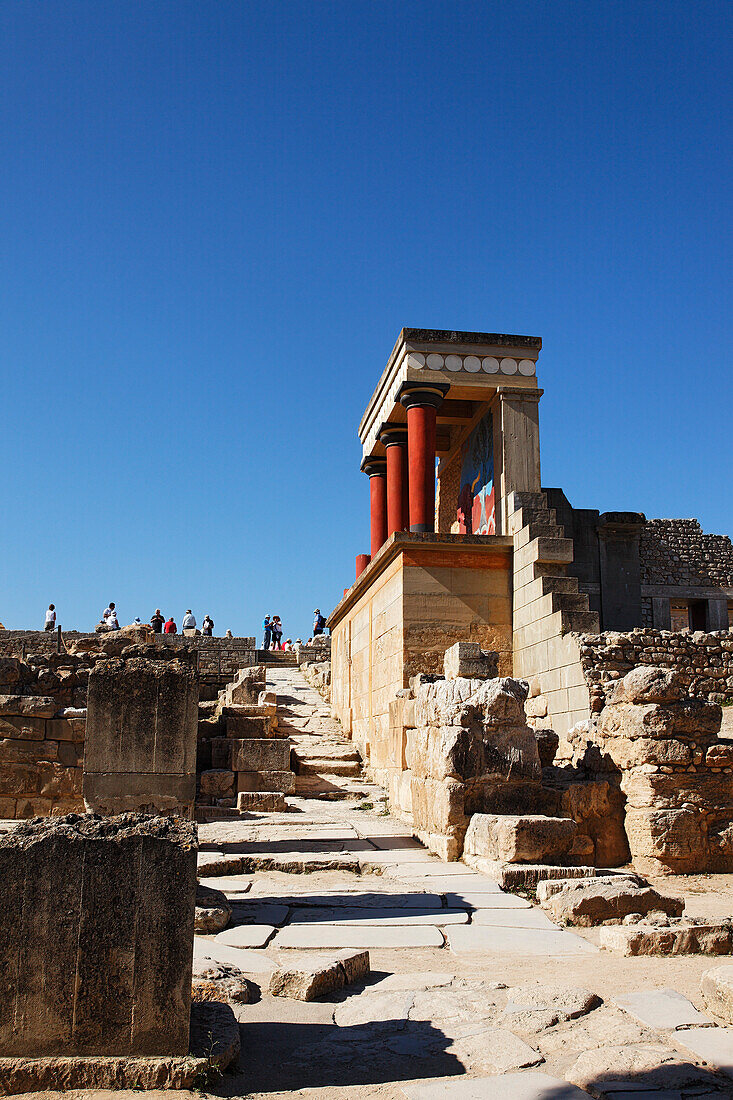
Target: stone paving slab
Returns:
[249, 962]
[442, 884]
[662, 1009]
[476, 899]
[435, 867]
[513, 918]
[353, 897]
[235, 884]
[247, 935]
[326, 936]
[471, 940]
[253, 912]
[385, 917]
[504, 1086]
[713, 1044]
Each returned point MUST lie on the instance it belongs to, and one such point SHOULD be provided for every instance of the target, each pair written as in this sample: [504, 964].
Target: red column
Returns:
[421, 404]
[362, 561]
[395, 444]
[376, 468]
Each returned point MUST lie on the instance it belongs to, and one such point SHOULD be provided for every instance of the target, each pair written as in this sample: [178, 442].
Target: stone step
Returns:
[559, 585]
[579, 622]
[331, 766]
[553, 549]
[515, 838]
[331, 788]
[570, 601]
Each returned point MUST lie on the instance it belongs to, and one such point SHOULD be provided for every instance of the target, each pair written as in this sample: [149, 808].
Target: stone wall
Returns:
[704, 661]
[678, 552]
[40, 758]
[219, 659]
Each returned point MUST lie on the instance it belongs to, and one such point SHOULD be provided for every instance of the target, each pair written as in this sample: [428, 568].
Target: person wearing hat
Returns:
[318, 622]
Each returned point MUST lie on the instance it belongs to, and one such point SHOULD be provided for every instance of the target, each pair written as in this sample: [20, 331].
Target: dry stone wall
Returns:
[704, 661]
[678, 552]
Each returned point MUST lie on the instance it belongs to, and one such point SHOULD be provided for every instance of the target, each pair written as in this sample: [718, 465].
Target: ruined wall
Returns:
[678, 552]
[446, 495]
[219, 659]
[704, 661]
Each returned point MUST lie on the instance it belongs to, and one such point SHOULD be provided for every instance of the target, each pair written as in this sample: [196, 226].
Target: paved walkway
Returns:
[473, 992]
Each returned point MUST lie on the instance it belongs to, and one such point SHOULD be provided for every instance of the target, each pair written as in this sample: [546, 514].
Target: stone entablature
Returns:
[471, 365]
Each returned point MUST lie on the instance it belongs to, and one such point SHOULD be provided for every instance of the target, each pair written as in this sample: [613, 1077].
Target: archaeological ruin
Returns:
[475, 842]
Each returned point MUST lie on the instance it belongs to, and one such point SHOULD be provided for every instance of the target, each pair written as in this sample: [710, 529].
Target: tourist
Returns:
[228, 634]
[137, 621]
[318, 623]
[156, 621]
[277, 632]
[112, 622]
[108, 613]
[50, 617]
[207, 626]
[170, 626]
[189, 621]
[267, 627]
[288, 645]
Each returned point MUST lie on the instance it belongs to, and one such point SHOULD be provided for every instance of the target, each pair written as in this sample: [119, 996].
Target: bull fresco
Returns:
[476, 512]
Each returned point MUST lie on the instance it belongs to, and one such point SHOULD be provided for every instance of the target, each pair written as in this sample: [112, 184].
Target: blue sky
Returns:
[215, 217]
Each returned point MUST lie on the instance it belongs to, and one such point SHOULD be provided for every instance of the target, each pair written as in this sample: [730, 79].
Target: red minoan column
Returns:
[376, 468]
[395, 444]
[421, 403]
[362, 561]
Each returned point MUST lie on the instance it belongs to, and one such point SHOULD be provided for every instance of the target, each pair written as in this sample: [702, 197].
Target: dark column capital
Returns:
[374, 467]
[431, 396]
[392, 434]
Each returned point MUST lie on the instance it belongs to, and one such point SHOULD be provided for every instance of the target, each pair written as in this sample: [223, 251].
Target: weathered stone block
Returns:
[309, 977]
[260, 755]
[96, 934]
[28, 706]
[278, 781]
[602, 902]
[677, 939]
[16, 727]
[469, 660]
[268, 802]
[513, 839]
[140, 745]
[217, 781]
[648, 684]
[716, 986]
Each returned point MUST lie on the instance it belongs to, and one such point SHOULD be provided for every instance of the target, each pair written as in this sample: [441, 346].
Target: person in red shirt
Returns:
[170, 627]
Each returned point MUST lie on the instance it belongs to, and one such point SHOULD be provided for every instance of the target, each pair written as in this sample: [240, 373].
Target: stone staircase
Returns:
[548, 610]
[325, 762]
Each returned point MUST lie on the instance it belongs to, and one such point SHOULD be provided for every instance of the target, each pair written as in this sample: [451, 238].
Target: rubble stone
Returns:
[309, 977]
[592, 902]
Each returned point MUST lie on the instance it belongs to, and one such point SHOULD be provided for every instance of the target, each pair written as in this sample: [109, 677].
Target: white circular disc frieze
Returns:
[435, 362]
[453, 362]
[526, 366]
[415, 359]
[508, 366]
[472, 363]
[490, 365]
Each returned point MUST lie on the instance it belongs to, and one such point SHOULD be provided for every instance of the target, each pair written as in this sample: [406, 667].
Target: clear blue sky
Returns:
[216, 216]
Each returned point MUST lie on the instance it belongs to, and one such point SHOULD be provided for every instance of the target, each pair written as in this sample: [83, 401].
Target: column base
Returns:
[422, 529]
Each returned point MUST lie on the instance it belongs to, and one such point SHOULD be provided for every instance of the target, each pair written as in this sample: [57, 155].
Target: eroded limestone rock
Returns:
[607, 901]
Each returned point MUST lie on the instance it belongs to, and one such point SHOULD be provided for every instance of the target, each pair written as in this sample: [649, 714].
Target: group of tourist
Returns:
[272, 629]
[159, 623]
[168, 626]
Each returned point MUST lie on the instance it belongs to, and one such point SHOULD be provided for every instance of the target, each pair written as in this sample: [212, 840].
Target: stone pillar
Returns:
[96, 936]
[421, 403]
[362, 561]
[620, 569]
[517, 458]
[717, 615]
[376, 469]
[395, 444]
[140, 743]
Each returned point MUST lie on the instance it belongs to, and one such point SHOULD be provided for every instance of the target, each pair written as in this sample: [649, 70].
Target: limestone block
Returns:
[249, 727]
[648, 684]
[66, 729]
[716, 986]
[720, 755]
[18, 728]
[468, 659]
[28, 706]
[140, 744]
[684, 938]
[307, 977]
[649, 750]
[282, 782]
[261, 801]
[216, 781]
[260, 755]
[598, 808]
[213, 911]
[246, 686]
[693, 717]
[593, 902]
[96, 934]
[512, 839]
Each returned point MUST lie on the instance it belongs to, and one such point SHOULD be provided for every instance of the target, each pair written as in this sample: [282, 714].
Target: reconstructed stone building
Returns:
[482, 552]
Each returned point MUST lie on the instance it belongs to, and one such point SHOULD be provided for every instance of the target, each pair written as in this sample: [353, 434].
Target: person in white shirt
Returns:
[50, 617]
[108, 613]
[189, 621]
[112, 622]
